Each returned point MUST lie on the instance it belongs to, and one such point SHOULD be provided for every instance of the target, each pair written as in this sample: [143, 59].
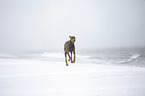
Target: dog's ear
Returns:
[70, 36]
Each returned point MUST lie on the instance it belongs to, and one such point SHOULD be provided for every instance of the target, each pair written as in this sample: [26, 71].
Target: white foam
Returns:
[132, 58]
[61, 55]
[53, 55]
[83, 56]
[6, 55]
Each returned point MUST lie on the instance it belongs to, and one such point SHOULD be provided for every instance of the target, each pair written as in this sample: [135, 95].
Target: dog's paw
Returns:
[72, 61]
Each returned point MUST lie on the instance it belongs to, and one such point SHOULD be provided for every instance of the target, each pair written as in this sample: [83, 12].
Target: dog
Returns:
[69, 47]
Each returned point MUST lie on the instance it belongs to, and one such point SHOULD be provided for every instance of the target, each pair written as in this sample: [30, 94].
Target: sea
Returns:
[132, 56]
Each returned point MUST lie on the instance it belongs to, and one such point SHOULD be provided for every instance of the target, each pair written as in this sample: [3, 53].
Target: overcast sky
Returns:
[47, 24]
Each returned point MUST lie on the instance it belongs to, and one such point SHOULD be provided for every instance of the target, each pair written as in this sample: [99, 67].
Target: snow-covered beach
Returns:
[19, 77]
[109, 47]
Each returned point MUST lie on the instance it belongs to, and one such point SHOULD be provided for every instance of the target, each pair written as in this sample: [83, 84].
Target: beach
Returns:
[106, 39]
[20, 77]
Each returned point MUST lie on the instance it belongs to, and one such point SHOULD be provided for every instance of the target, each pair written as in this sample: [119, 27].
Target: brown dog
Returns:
[69, 47]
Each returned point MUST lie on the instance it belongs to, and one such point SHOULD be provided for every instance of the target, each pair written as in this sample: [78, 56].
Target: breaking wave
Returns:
[6, 56]
[61, 55]
[53, 55]
[132, 58]
[85, 58]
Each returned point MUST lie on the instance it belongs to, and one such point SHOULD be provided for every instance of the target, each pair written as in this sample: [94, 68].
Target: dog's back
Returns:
[69, 46]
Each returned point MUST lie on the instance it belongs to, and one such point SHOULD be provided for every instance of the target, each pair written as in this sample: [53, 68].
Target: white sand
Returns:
[44, 78]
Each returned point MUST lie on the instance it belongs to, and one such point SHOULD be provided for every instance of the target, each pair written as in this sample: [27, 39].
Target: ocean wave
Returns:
[83, 57]
[53, 55]
[61, 55]
[6, 56]
[132, 58]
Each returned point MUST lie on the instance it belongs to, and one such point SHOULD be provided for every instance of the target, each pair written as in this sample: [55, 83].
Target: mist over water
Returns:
[35, 25]
[110, 56]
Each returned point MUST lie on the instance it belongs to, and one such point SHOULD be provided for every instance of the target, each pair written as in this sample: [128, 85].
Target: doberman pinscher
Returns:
[69, 47]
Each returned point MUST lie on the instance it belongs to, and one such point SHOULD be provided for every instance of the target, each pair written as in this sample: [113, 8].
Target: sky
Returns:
[47, 24]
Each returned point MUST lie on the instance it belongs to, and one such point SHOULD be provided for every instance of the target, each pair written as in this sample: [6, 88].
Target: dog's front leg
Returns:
[74, 57]
[66, 59]
[71, 56]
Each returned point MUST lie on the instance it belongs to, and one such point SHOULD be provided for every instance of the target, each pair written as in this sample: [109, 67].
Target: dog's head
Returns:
[73, 37]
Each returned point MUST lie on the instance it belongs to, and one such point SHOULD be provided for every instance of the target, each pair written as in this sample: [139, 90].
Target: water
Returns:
[123, 56]
[115, 56]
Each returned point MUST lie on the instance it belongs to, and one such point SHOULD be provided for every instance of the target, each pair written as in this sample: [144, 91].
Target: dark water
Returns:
[124, 56]
[115, 56]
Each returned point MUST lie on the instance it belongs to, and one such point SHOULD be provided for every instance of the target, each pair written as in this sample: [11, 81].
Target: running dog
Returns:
[69, 47]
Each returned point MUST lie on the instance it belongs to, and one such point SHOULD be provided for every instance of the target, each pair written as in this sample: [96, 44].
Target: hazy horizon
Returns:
[47, 24]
